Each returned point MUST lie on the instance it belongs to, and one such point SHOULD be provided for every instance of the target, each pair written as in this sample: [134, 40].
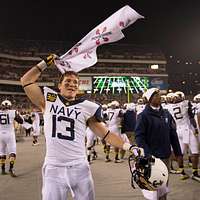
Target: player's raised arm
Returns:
[28, 81]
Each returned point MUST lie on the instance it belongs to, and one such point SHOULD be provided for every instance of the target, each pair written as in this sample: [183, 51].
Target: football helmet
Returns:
[6, 104]
[181, 95]
[115, 103]
[140, 101]
[148, 173]
[196, 98]
[104, 107]
[169, 97]
[163, 98]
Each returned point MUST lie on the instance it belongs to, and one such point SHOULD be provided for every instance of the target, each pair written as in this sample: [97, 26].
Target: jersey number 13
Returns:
[69, 129]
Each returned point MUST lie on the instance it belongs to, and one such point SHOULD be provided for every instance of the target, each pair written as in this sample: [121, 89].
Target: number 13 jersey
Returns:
[65, 126]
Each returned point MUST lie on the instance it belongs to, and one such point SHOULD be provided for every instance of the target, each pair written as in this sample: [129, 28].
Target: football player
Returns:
[187, 129]
[35, 127]
[7, 135]
[65, 121]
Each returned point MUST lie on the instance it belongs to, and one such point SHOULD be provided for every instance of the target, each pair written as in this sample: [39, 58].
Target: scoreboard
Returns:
[120, 84]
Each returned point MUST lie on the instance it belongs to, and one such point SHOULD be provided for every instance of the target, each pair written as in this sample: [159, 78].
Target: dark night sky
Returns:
[173, 25]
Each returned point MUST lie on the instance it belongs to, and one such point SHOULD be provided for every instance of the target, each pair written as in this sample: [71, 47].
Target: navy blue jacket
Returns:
[155, 131]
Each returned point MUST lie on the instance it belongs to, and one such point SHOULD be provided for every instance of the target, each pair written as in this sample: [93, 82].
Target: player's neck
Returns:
[68, 98]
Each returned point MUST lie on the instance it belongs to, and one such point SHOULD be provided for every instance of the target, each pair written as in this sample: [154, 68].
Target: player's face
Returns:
[156, 100]
[69, 87]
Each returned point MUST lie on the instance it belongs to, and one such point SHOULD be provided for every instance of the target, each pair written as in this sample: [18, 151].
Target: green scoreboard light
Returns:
[119, 84]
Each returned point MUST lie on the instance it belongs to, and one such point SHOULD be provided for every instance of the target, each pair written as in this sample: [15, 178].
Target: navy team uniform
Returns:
[66, 167]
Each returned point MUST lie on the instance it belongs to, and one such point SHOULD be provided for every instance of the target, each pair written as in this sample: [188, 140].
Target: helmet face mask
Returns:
[169, 97]
[181, 95]
[148, 173]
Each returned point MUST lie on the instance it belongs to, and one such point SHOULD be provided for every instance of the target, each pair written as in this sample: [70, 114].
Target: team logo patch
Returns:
[51, 97]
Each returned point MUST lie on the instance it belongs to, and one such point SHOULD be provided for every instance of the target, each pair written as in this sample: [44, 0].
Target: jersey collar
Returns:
[70, 103]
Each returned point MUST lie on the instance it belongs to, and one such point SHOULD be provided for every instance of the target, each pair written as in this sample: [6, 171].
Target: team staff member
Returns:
[65, 121]
[156, 132]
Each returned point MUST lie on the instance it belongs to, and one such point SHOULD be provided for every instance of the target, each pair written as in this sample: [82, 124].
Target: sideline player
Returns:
[35, 127]
[7, 135]
[65, 121]
[91, 139]
[186, 131]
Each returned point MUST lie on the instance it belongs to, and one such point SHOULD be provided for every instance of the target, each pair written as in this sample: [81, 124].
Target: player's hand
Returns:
[49, 60]
[46, 62]
[136, 151]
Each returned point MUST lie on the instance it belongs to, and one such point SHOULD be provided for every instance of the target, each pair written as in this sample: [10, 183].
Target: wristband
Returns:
[42, 65]
[27, 84]
[38, 68]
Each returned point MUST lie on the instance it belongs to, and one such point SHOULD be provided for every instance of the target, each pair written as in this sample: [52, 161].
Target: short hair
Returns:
[68, 73]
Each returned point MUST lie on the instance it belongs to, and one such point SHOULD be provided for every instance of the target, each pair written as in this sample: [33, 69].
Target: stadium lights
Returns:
[170, 90]
[154, 66]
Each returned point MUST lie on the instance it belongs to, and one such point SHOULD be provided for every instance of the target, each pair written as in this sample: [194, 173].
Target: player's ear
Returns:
[59, 85]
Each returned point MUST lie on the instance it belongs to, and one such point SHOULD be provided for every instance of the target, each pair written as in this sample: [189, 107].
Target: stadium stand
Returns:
[16, 56]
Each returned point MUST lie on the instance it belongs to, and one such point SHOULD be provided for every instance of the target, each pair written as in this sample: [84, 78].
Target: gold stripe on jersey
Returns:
[51, 97]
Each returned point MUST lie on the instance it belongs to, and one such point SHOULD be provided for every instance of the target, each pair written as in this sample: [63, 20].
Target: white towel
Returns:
[83, 54]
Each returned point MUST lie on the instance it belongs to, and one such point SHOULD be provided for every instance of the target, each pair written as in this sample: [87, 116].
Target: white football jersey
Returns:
[113, 117]
[91, 137]
[7, 121]
[179, 112]
[65, 126]
[164, 105]
[169, 107]
[197, 114]
[196, 107]
[36, 123]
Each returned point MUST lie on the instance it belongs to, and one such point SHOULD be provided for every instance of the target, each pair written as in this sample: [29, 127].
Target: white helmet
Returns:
[104, 106]
[130, 106]
[125, 105]
[149, 173]
[196, 98]
[163, 98]
[115, 103]
[140, 101]
[169, 97]
[6, 103]
[109, 105]
[180, 94]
